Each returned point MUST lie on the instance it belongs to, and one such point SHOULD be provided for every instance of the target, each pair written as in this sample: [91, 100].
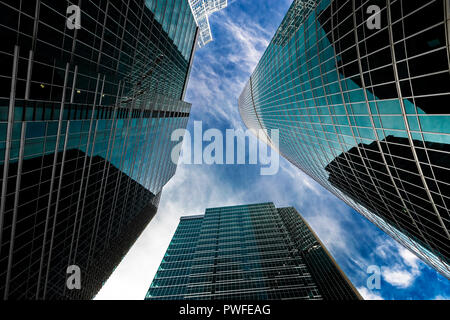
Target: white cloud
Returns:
[297, 175]
[398, 277]
[409, 258]
[213, 90]
[404, 273]
[330, 231]
[252, 41]
[369, 294]
[404, 268]
[384, 249]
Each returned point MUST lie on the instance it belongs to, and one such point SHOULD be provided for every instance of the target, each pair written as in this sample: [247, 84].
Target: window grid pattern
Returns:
[247, 252]
[85, 123]
[365, 112]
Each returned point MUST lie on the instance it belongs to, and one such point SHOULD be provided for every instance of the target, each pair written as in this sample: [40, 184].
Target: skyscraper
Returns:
[248, 252]
[360, 93]
[89, 98]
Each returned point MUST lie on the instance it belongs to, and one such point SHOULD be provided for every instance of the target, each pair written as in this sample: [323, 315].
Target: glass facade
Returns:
[365, 111]
[85, 122]
[246, 252]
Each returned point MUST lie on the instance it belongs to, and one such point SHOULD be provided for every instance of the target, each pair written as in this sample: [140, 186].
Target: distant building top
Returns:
[293, 20]
[201, 9]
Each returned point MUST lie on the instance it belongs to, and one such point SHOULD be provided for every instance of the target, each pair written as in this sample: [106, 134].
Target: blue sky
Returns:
[241, 33]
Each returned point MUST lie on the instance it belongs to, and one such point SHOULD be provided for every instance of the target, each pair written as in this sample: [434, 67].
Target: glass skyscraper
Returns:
[85, 122]
[363, 108]
[255, 252]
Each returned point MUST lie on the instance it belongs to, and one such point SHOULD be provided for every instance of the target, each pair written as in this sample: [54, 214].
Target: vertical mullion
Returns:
[56, 205]
[8, 142]
[16, 203]
[52, 181]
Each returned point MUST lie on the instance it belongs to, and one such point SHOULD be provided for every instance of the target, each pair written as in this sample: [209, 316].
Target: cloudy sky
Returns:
[241, 33]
